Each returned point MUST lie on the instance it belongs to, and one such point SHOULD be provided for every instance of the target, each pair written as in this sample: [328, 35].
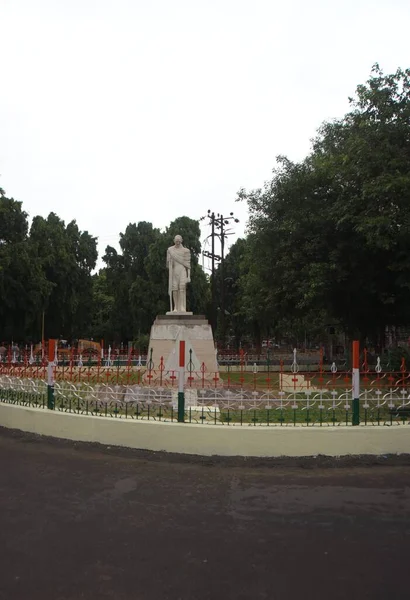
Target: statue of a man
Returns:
[179, 265]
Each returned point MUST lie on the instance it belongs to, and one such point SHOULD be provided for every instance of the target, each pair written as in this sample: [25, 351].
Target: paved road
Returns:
[87, 522]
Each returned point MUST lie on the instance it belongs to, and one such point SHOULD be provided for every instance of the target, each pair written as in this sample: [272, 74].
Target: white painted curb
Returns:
[208, 440]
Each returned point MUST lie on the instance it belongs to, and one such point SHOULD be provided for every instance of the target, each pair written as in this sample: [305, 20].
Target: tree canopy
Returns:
[44, 269]
[331, 233]
[49, 268]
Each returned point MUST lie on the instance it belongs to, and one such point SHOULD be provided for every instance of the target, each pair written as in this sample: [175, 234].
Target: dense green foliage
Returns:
[330, 236]
[48, 269]
[328, 246]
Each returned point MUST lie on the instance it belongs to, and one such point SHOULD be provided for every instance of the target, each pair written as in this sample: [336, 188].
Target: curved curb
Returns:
[209, 440]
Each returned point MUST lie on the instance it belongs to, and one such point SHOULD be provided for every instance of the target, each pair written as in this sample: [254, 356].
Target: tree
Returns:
[103, 300]
[332, 233]
[235, 273]
[13, 220]
[49, 271]
[22, 283]
[67, 257]
[127, 281]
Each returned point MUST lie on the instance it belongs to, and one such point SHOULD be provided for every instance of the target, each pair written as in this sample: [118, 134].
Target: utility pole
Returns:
[223, 320]
[214, 258]
[218, 230]
[213, 282]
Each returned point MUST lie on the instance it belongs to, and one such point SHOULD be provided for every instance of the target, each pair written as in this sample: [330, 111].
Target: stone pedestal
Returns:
[166, 333]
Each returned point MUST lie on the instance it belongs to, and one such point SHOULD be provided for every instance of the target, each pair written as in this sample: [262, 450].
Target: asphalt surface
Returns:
[81, 521]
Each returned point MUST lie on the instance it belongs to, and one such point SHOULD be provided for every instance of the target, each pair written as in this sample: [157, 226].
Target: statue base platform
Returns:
[200, 353]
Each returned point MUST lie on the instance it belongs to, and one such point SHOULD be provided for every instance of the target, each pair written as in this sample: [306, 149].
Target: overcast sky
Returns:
[116, 111]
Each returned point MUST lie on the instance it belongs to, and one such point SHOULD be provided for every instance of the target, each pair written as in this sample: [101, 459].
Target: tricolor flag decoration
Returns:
[356, 383]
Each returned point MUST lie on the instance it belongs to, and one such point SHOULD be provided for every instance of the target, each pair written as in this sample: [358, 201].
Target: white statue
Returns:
[179, 265]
